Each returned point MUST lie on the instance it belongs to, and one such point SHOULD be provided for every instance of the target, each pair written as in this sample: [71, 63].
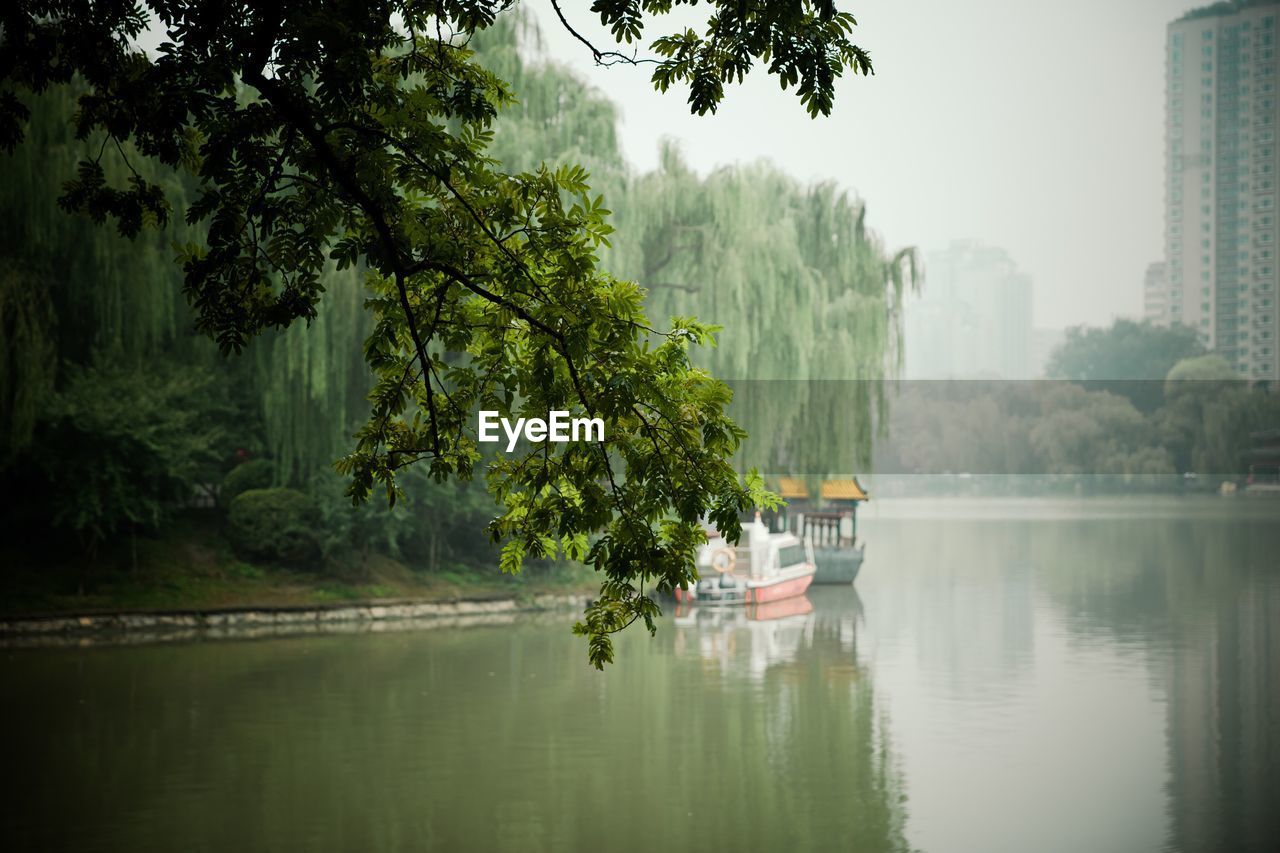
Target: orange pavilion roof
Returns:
[791, 488]
[844, 490]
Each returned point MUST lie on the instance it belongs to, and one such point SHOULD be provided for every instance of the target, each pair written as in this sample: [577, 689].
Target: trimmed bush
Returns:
[280, 525]
[254, 474]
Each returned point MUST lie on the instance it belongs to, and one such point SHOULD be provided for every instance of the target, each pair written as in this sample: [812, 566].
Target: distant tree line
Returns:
[1128, 406]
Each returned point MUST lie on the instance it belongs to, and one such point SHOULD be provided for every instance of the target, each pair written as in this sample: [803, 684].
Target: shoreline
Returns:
[126, 627]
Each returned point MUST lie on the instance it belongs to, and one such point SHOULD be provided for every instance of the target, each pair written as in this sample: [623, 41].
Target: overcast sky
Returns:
[1032, 125]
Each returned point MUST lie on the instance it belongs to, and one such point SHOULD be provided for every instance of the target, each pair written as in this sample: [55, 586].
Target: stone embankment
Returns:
[249, 623]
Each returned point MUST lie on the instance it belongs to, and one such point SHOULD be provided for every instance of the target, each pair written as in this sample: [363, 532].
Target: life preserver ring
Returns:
[724, 560]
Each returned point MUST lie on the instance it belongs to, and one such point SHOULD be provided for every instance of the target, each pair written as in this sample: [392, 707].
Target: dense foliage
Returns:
[251, 474]
[1127, 358]
[280, 525]
[308, 145]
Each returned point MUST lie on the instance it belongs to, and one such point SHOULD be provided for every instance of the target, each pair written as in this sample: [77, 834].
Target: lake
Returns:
[1049, 675]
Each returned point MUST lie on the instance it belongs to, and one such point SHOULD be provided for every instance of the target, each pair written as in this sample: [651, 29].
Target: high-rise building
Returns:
[1155, 295]
[972, 319]
[1222, 162]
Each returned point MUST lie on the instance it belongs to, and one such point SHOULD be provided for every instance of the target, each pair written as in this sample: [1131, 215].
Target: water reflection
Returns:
[1098, 674]
[744, 639]
[489, 738]
[750, 641]
[1201, 602]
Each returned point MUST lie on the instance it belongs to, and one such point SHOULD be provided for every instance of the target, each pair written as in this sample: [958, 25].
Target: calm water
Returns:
[1099, 675]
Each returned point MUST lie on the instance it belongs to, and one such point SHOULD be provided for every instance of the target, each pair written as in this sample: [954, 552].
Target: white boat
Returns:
[769, 567]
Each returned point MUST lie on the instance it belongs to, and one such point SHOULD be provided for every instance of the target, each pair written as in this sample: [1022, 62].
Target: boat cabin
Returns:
[830, 521]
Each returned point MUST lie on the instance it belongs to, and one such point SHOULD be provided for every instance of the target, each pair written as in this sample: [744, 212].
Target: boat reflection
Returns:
[778, 635]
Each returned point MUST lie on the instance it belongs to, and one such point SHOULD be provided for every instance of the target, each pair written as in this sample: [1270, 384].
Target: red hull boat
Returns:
[770, 567]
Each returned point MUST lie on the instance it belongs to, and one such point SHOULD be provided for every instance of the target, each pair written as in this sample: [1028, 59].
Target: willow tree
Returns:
[71, 292]
[351, 133]
[73, 295]
[810, 296]
[813, 299]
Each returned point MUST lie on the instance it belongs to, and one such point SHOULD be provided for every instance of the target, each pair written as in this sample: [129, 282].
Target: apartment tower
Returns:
[1222, 162]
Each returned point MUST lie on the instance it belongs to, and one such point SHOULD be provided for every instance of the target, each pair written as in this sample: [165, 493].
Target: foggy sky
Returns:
[1031, 125]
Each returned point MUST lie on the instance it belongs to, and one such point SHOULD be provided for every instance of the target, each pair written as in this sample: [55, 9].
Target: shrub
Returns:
[254, 474]
[280, 525]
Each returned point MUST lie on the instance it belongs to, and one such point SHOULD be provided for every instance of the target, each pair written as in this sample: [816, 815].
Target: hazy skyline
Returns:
[1035, 127]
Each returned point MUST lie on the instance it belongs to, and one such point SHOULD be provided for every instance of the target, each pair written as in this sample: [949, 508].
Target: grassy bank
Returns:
[190, 565]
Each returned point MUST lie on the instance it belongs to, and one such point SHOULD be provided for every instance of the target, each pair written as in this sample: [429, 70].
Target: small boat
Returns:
[769, 567]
